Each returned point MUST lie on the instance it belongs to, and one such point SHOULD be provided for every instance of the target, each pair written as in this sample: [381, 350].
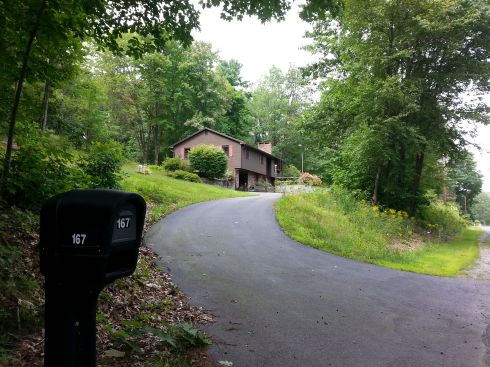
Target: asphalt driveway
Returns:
[279, 303]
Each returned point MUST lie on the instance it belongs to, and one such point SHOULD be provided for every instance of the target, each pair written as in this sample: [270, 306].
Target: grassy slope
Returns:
[316, 220]
[168, 194]
[123, 306]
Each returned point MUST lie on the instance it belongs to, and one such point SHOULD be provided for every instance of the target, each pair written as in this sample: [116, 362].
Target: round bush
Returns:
[41, 167]
[443, 217]
[186, 176]
[102, 165]
[310, 179]
[291, 171]
[174, 164]
[208, 160]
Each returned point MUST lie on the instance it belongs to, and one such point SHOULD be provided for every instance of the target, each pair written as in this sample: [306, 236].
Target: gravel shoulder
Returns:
[481, 270]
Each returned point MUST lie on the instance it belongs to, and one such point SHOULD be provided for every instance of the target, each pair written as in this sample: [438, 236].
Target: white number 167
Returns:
[78, 238]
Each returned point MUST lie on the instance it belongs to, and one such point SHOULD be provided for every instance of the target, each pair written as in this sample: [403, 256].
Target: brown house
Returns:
[247, 163]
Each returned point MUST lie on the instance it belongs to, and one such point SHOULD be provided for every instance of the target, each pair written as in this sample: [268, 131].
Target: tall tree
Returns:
[399, 68]
[28, 25]
[276, 105]
[237, 121]
[162, 97]
[43, 24]
[465, 180]
[481, 208]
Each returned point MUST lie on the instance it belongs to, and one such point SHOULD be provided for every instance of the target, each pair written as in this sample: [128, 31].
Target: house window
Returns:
[186, 152]
[247, 153]
[226, 149]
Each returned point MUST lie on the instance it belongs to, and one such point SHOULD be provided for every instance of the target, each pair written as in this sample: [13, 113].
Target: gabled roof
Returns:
[208, 129]
[241, 142]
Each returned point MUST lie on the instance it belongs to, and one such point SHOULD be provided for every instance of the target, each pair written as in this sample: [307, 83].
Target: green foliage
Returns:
[264, 185]
[42, 166]
[442, 218]
[181, 336]
[20, 291]
[184, 175]
[310, 179]
[481, 208]
[231, 71]
[290, 170]
[154, 167]
[276, 106]
[339, 223]
[464, 180]
[387, 106]
[187, 336]
[102, 164]
[208, 160]
[163, 97]
[264, 10]
[79, 110]
[16, 294]
[335, 221]
[174, 164]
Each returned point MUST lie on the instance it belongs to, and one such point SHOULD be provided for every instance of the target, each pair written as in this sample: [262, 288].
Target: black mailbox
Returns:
[88, 239]
[91, 236]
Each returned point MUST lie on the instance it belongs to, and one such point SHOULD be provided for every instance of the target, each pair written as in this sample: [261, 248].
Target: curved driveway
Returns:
[279, 303]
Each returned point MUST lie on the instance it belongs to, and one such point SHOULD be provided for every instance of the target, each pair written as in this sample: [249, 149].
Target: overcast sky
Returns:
[255, 45]
[258, 47]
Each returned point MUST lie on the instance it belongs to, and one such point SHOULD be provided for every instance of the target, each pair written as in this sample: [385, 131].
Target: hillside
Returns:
[142, 319]
[335, 222]
[166, 194]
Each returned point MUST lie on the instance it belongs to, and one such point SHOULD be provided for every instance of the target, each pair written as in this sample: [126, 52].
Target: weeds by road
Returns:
[337, 223]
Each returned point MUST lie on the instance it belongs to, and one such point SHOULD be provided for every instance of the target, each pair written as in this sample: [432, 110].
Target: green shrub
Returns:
[102, 165]
[228, 175]
[442, 218]
[291, 171]
[208, 160]
[154, 167]
[186, 176]
[174, 164]
[264, 185]
[41, 167]
[310, 179]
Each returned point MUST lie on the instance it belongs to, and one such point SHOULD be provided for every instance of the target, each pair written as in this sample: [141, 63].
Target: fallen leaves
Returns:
[140, 319]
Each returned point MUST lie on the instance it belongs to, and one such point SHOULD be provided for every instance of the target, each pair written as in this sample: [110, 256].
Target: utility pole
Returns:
[302, 158]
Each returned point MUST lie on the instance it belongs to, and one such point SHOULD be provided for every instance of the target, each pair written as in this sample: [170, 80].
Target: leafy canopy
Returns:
[395, 72]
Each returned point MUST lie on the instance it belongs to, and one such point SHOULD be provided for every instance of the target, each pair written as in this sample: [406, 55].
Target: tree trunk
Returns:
[156, 135]
[44, 117]
[419, 165]
[142, 144]
[374, 199]
[18, 93]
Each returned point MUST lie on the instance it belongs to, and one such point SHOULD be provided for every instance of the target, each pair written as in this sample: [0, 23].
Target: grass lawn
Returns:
[351, 229]
[166, 194]
[443, 258]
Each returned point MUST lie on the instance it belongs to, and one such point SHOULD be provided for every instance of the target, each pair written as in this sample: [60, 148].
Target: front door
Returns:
[243, 181]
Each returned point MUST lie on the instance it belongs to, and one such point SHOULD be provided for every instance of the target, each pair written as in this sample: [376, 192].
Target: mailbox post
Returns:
[88, 239]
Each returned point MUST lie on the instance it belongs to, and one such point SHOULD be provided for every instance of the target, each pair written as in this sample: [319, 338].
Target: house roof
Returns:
[241, 142]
